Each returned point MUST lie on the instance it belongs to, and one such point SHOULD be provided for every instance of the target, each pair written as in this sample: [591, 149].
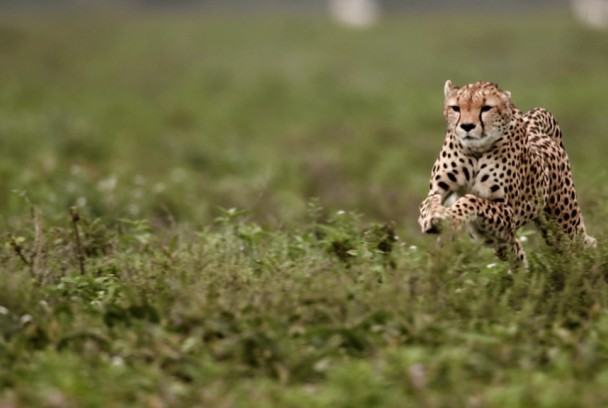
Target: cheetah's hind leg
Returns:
[513, 253]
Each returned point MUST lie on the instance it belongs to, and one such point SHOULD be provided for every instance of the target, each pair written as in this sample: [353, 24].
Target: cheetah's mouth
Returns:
[469, 141]
[473, 139]
[478, 143]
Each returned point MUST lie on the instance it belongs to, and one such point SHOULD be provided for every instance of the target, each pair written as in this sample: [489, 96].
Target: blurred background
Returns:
[170, 110]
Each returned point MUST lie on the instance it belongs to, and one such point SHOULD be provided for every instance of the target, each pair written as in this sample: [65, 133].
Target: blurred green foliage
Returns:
[172, 116]
[247, 190]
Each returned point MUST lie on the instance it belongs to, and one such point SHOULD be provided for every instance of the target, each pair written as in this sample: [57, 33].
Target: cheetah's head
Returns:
[478, 114]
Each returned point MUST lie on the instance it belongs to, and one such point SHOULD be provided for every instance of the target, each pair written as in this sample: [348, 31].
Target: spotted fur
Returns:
[499, 169]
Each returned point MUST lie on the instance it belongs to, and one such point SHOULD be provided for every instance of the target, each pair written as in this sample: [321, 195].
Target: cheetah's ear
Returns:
[508, 93]
[448, 87]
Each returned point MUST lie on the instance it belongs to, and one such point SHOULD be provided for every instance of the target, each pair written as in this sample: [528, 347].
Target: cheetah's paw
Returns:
[435, 223]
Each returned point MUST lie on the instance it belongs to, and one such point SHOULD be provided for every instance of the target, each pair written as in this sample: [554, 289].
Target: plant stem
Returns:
[18, 250]
[78, 249]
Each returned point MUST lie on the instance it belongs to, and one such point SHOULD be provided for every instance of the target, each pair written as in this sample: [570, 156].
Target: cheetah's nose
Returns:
[467, 126]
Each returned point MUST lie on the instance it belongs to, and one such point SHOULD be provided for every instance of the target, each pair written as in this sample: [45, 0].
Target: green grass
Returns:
[247, 188]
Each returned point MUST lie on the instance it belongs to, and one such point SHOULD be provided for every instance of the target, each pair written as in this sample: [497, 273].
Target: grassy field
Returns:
[244, 190]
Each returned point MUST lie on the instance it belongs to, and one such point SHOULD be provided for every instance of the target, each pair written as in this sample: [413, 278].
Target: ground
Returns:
[245, 191]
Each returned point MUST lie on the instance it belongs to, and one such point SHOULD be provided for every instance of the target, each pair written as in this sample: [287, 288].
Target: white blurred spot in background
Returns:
[355, 13]
[593, 13]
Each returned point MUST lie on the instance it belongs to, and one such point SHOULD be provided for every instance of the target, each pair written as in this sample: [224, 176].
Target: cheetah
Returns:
[499, 169]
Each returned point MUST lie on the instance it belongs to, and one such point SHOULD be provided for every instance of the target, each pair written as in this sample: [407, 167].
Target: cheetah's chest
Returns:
[488, 179]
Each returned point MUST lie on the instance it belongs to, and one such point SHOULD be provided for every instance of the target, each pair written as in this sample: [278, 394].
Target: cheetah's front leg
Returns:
[432, 214]
[494, 221]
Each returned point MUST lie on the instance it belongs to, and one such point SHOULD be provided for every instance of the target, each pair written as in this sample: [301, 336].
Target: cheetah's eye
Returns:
[455, 108]
[486, 108]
